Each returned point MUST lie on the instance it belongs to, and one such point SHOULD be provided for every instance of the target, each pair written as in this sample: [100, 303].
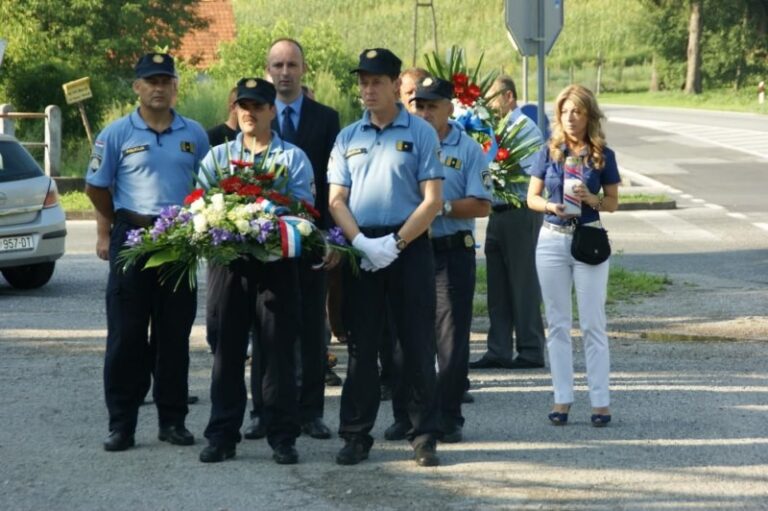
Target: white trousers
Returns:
[559, 273]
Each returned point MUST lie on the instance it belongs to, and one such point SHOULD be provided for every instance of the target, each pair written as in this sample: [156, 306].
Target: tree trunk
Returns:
[654, 86]
[693, 75]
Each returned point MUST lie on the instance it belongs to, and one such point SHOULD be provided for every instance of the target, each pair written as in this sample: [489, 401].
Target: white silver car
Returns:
[32, 222]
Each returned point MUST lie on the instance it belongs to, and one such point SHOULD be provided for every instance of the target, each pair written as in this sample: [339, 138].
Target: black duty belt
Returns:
[461, 239]
[498, 208]
[133, 218]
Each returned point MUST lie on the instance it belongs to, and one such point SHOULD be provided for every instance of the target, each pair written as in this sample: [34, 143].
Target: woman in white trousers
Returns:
[576, 132]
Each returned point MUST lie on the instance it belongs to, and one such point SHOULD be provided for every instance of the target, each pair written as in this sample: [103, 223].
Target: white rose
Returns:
[217, 202]
[304, 228]
[243, 226]
[198, 205]
[482, 113]
[200, 223]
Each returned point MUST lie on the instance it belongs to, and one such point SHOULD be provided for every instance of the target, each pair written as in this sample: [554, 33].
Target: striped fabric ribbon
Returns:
[270, 207]
[290, 234]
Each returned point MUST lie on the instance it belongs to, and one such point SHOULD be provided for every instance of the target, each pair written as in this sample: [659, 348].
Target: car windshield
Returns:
[16, 163]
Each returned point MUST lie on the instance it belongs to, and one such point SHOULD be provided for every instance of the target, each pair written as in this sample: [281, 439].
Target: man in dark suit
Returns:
[313, 127]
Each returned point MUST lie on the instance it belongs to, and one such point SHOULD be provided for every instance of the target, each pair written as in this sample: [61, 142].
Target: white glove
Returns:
[367, 265]
[376, 249]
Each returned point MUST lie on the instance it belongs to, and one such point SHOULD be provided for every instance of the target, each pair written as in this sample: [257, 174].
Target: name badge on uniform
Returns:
[404, 145]
[354, 152]
[453, 163]
[137, 149]
[188, 147]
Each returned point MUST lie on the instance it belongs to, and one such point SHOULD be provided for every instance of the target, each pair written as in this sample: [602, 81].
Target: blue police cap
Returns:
[153, 64]
[433, 88]
[378, 61]
[256, 89]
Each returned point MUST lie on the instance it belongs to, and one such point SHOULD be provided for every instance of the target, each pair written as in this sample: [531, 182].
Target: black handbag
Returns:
[590, 244]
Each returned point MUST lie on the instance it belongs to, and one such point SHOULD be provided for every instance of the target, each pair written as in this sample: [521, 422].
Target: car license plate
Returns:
[17, 243]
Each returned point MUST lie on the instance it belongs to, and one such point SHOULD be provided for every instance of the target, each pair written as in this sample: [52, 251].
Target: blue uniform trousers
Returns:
[455, 288]
[407, 288]
[267, 294]
[148, 327]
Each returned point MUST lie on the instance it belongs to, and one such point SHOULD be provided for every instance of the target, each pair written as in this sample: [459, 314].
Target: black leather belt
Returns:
[133, 218]
[461, 239]
[498, 208]
[379, 231]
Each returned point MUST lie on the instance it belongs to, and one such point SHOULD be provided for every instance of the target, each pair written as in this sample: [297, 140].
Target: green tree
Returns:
[53, 41]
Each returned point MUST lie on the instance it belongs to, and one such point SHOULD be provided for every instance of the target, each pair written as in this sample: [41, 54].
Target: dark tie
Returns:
[289, 130]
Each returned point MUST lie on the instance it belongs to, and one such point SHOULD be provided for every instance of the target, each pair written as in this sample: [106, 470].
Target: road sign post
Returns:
[533, 27]
[77, 92]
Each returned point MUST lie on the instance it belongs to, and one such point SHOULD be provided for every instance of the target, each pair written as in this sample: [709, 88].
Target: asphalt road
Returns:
[689, 417]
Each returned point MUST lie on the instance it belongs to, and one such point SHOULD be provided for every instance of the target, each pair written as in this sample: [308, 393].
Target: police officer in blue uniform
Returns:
[248, 289]
[467, 195]
[385, 181]
[140, 164]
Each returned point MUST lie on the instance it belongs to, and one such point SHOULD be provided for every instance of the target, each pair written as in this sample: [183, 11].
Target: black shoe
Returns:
[217, 453]
[316, 428]
[397, 431]
[332, 379]
[521, 363]
[192, 399]
[119, 441]
[489, 363]
[285, 455]
[255, 429]
[386, 393]
[452, 434]
[176, 435]
[467, 398]
[353, 452]
[426, 455]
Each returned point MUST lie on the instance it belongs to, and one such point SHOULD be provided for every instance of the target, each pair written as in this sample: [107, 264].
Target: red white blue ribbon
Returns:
[290, 236]
[270, 207]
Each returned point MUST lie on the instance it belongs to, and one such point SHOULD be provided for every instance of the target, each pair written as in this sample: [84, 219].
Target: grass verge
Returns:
[75, 202]
[623, 286]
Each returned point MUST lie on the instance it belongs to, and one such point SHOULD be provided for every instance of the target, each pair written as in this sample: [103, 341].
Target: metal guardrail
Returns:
[52, 143]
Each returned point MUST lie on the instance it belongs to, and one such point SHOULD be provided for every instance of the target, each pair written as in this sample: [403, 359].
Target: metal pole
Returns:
[525, 80]
[541, 77]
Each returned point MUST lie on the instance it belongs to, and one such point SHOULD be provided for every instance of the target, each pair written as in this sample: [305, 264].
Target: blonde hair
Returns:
[586, 102]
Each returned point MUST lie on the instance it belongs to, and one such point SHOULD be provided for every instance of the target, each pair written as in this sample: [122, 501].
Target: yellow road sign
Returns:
[78, 90]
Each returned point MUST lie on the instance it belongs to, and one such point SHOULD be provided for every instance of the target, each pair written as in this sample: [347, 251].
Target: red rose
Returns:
[264, 177]
[466, 99]
[502, 155]
[460, 79]
[474, 91]
[231, 184]
[486, 146]
[279, 198]
[458, 90]
[310, 209]
[249, 191]
[241, 164]
[192, 197]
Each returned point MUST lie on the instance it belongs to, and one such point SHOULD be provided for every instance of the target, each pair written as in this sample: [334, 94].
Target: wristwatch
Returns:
[447, 208]
[400, 243]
